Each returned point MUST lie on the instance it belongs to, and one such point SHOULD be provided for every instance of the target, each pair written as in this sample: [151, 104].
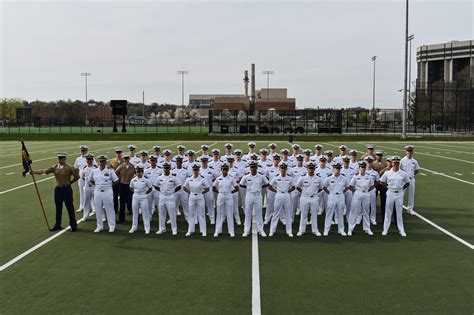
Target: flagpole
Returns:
[39, 198]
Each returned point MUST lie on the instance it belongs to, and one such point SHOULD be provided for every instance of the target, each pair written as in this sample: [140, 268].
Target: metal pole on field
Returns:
[143, 105]
[374, 116]
[85, 75]
[404, 109]
[182, 73]
[268, 73]
[410, 38]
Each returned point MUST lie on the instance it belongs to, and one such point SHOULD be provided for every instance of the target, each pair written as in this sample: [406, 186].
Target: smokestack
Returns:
[246, 83]
[252, 92]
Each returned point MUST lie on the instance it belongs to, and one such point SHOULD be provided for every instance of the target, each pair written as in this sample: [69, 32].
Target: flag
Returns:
[25, 159]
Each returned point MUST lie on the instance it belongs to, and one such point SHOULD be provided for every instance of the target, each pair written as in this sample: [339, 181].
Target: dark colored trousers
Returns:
[64, 194]
[125, 200]
[382, 191]
[115, 189]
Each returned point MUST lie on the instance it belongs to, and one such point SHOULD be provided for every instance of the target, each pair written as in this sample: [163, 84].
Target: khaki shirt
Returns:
[115, 163]
[366, 155]
[65, 175]
[379, 166]
[125, 173]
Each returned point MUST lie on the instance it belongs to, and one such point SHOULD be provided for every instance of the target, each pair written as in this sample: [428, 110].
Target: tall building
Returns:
[450, 62]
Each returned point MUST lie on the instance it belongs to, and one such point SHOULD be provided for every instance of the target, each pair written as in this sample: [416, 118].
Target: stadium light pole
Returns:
[268, 73]
[182, 73]
[410, 38]
[85, 75]
[143, 105]
[374, 116]
[404, 109]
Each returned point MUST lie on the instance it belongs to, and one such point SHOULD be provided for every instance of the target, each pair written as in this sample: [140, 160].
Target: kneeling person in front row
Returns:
[141, 187]
[196, 186]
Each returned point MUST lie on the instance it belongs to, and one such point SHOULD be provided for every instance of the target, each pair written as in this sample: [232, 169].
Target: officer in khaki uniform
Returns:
[379, 165]
[65, 175]
[370, 152]
[125, 172]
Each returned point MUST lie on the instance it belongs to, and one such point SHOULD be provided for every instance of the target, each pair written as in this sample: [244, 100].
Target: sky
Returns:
[319, 50]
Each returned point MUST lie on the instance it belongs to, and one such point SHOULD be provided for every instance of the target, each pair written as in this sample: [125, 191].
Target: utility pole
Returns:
[374, 115]
[404, 109]
[410, 38]
[268, 73]
[143, 106]
[182, 73]
[85, 75]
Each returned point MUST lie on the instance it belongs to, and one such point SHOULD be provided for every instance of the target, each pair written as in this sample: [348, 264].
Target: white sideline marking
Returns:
[442, 174]
[438, 156]
[256, 307]
[32, 249]
[459, 174]
[25, 185]
[10, 173]
[442, 229]
[423, 174]
[433, 148]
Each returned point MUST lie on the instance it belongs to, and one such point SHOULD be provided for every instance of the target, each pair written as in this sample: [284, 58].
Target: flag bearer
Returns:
[396, 180]
[411, 167]
[65, 175]
[167, 184]
[335, 186]
[140, 187]
[282, 185]
[225, 186]
[360, 184]
[103, 178]
[309, 185]
[253, 183]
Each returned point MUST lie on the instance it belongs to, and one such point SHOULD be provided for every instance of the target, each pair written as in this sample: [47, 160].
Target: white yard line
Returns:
[442, 174]
[50, 150]
[441, 149]
[437, 156]
[459, 174]
[422, 174]
[25, 185]
[10, 173]
[256, 304]
[32, 249]
[457, 238]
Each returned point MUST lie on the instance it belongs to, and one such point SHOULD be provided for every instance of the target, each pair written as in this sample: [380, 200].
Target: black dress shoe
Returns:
[55, 228]
[73, 229]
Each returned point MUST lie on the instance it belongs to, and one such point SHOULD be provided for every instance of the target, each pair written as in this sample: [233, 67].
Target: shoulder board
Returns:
[95, 166]
[145, 176]
[343, 174]
[185, 167]
[84, 166]
[174, 174]
[201, 176]
[260, 173]
[211, 167]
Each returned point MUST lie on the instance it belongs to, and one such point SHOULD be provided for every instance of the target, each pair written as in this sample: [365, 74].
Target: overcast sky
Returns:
[320, 50]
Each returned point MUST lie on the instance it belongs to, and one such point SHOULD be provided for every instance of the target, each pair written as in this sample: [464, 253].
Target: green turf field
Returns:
[427, 272]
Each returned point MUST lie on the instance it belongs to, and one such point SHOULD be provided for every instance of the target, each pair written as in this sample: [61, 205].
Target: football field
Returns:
[429, 271]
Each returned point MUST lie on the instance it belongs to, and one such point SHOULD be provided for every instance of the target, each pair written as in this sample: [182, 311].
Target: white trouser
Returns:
[253, 204]
[360, 206]
[88, 200]
[411, 194]
[81, 183]
[209, 199]
[373, 204]
[394, 199]
[167, 205]
[282, 210]
[323, 200]
[104, 198]
[270, 206]
[295, 202]
[140, 201]
[196, 208]
[335, 207]
[309, 203]
[348, 202]
[181, 198]
[225, 208]
[153, 201]
[235, 206]
[243, 194]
